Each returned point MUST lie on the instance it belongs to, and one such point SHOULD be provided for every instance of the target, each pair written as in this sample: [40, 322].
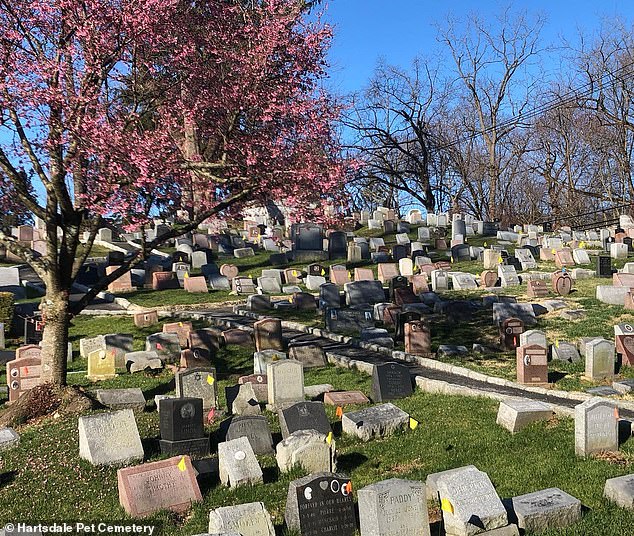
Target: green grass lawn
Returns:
[44, 479]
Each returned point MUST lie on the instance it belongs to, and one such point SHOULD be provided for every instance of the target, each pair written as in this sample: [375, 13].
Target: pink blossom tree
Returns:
[114, 109]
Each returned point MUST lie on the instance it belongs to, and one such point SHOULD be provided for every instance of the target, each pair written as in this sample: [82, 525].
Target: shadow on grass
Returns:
[151, 447]
[350, 461]
[161, 389]
[7, 478]
[554, 376]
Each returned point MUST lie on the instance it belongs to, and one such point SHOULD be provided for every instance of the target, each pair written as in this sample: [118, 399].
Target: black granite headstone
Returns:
[400, 281]
[33, 329]
[604, 266]
[211, 268]
[307, 237]
[364, 292]
[403, 318]
[513, 261]
[181, 418]
[115, 258]
[321, 504]
[278, 259]
[391, 381]
[399, 251]
[461, 252]
[316, 269]
[329, 296]
[304, 416]
[337, 245]
[365, 250]
[348, 319]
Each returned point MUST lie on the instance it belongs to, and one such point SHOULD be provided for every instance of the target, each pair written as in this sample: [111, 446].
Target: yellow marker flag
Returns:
[557, 343]
[485, 244]
[553, 251]
[294, 272]
[323, 272]
[210, 379]
[186, 275]
[500, 260]
[181, 464]
[446, 505]
[180, 324]
[250, 276]
[451, 260]
[290, 299]
[329, 438]
[413, 423]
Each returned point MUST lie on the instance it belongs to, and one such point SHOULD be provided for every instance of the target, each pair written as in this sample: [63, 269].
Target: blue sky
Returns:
[398, 30]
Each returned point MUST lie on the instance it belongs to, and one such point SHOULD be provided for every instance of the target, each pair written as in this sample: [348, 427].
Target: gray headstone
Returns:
[565, 351]
[140, 361]
[263, 358]
[131, 398]
[364, 292]
[241, 399]
[374, 422]
[8, 438]
[285, 383]
[87, 346]
[237, 463]
[308, 354]
[110, 438]
[596, 427]
[198, 383]
[304, 416]
[309, 449]
[621, 491]
[249, 519]
[546, 509]
[515, 414]
[600, 356]
[432, 481]
[523, 311]
[393, 507]
[254, 427]
[476, 505]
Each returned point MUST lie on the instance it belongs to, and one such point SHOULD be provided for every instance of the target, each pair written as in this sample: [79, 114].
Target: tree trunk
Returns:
[55, 337]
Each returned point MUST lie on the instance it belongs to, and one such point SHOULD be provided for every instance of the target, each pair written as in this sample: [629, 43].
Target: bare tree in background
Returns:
[606, 67]
[392, 124]
[490, 61]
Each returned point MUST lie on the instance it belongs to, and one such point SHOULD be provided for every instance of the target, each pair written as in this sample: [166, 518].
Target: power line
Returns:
[568, 98]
